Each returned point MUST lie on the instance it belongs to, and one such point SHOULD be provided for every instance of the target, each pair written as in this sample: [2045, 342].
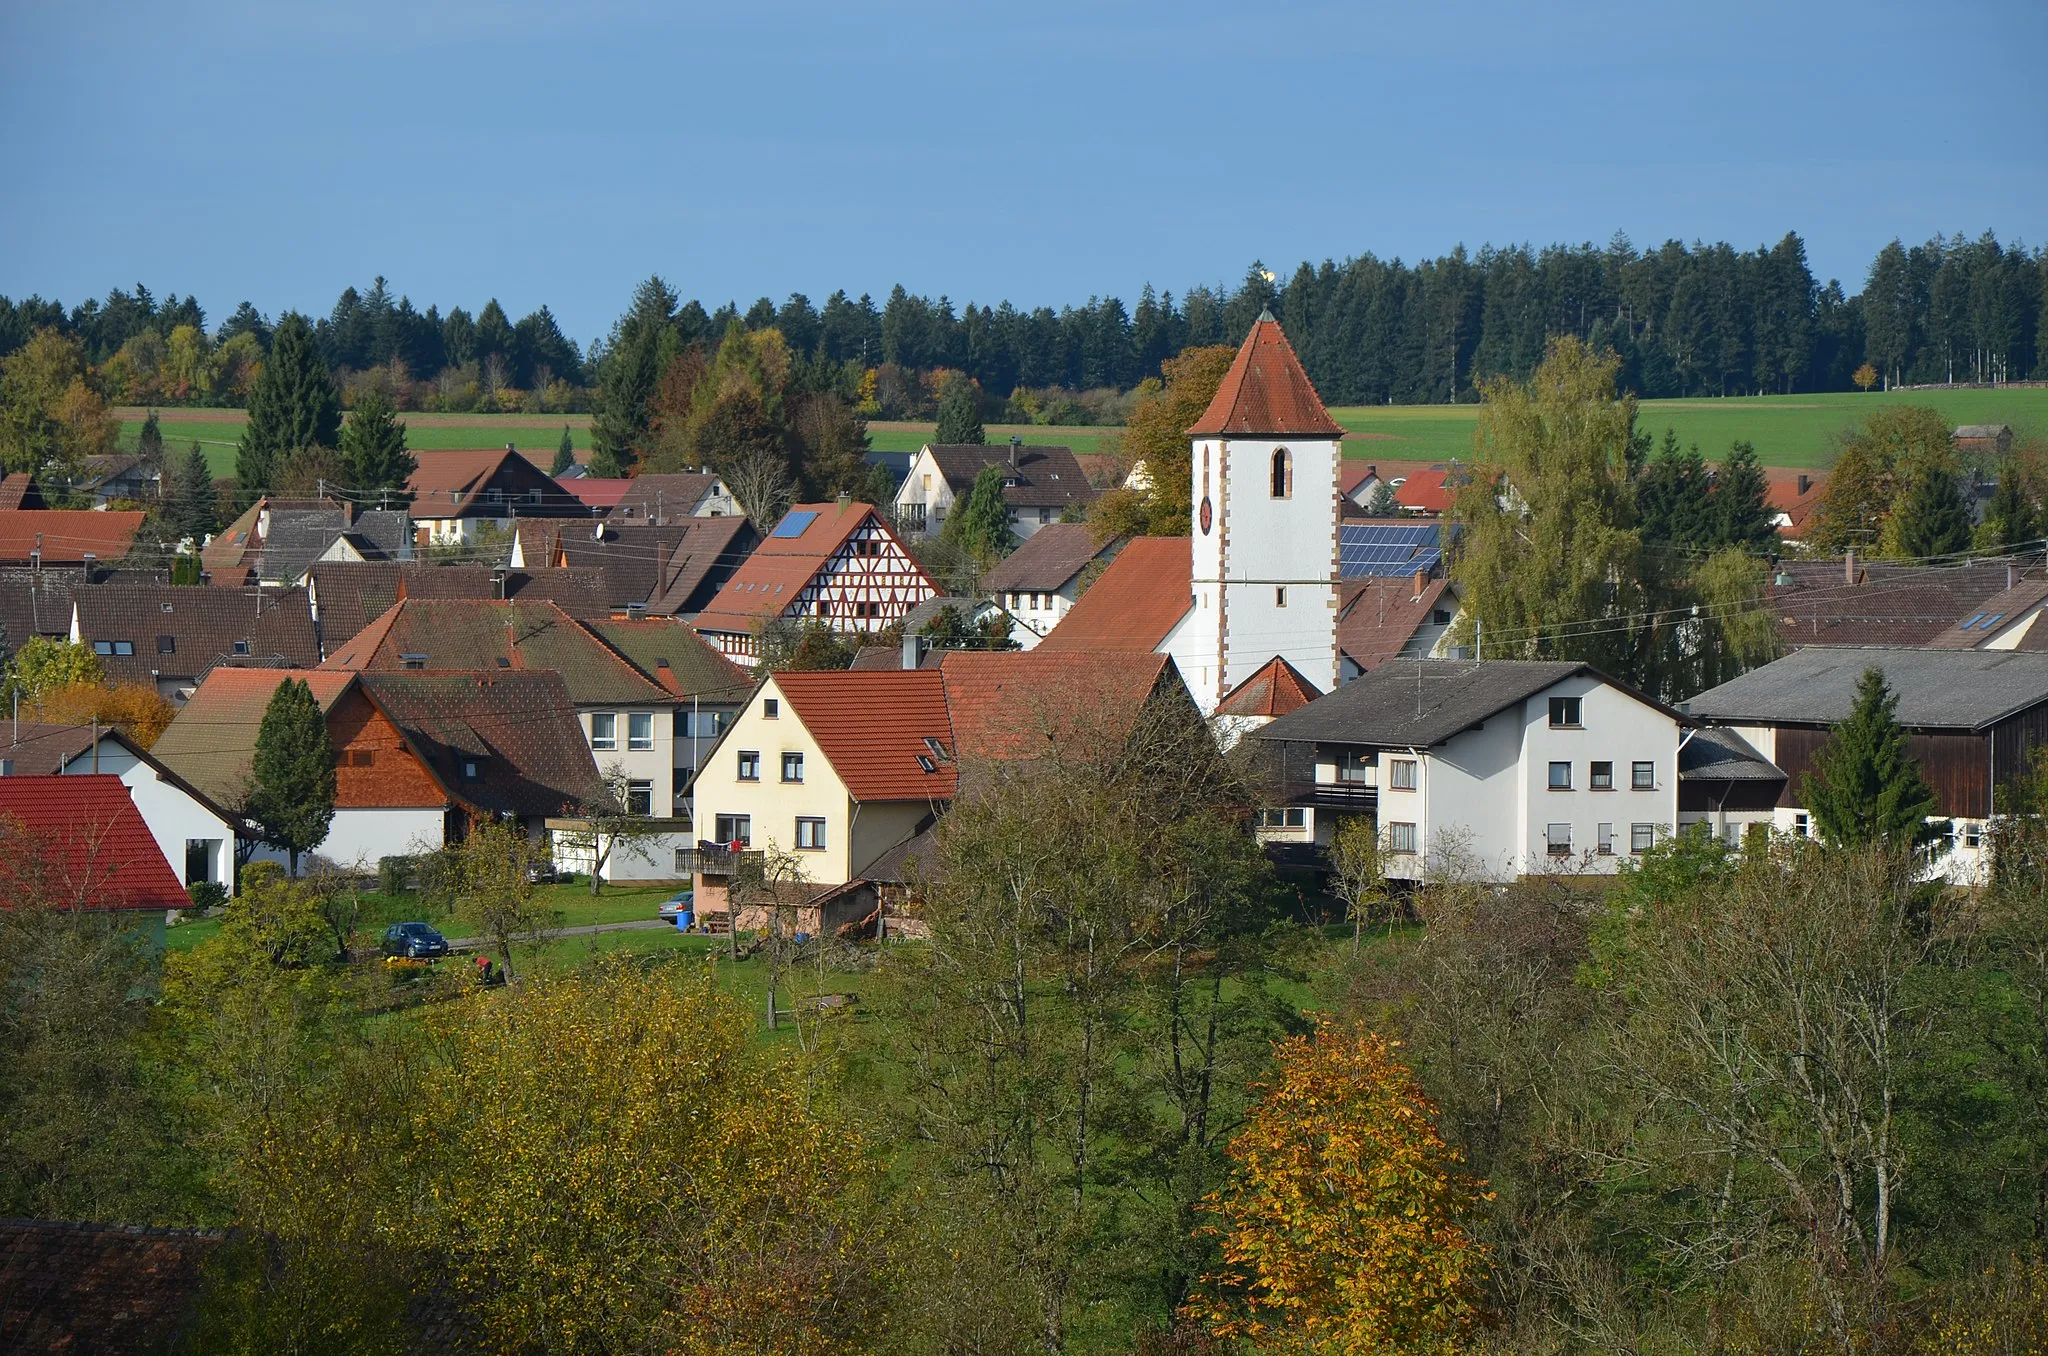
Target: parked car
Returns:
[678, 906]
[414, 941]
[543, 873]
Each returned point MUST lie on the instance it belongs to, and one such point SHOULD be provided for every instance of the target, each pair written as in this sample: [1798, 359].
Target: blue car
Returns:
[414, 941]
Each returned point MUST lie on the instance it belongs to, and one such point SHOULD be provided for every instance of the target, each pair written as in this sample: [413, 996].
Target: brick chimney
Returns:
[1421, 581]
[1849, 566]
[1805, 482]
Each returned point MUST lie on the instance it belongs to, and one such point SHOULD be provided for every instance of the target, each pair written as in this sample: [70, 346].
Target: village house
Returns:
[2008, 620]
[1857, 602]
[79, 843]
[668, 497]
[1974, 720]
[275, 541]
[456, 496]
[37, 602]
[46, 537]
[831, 769]
[1504, 768]
[418, 756]
[1383, 617]
[1992, 439]
[1038, 583]
[347, 597]
[196, 836]
[120, 477]
[1793, 497]
[839, 564]
[170, 637]
[1039, 484]
[630, 722]
[1257, 702]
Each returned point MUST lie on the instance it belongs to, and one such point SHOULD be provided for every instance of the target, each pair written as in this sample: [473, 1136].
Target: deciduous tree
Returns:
[1346, 1226]
[1156, 437]
[494, 886]
[43, 665]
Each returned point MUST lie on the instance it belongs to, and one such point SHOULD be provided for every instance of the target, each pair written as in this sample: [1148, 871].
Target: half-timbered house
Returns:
[840, 564]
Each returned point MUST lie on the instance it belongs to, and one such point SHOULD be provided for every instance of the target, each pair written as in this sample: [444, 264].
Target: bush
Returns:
[438, 876]
[207, 894]
[394, 874]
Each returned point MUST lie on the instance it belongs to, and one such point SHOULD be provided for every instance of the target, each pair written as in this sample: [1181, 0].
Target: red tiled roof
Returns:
[1377, 617]
[485, 635]
[92, 850]
[872, 728]
[767, 583]
[1425, 492]
[1048, 558]
[1274, 690]
[1266, 392]
[17, 489]
[598, 494]
[1017, 704]
[99, 1289]
[1134, 604]
[1784, 496]
[446, 484]
[67, 535]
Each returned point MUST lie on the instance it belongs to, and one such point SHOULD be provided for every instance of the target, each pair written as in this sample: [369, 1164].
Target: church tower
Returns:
[1264, 552]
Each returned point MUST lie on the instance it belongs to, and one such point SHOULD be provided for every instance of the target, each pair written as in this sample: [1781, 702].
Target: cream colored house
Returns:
[826, 770]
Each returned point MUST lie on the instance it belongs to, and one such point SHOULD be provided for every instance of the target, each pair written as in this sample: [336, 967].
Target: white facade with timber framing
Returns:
[840, 564]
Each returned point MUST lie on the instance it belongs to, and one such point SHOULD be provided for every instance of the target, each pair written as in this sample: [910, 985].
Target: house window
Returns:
[810, 833]
[736, 829]
[927, 484]
[199, 855]
[639, 798]
[103, 647]
[360, 758]
[1802, 825]
[1439, 617]
[242, 647]
[1606, 840]
[1283, 817]
[640, 730]
[1351, 767]
[750, 765]
[1557, 839]
[1401, 838]
[166, 644]
[1642, 776]
[1969, 833]
[792, 767]
[1602, 778]
[1560, 776]
[1731, 834]
[604, 731]
[1564, 713]
[1283, 473]
[1279, 595]
[1401, 774]
[770, 708]
[1641, 838]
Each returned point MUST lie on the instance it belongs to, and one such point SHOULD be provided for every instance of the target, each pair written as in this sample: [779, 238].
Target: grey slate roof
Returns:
[927, 612]
[297, 538]
[383, 534]
[1042, 477]
[1715, 755]
[1416, 703]
[37, 602]
[1937, 689]
[1048, 558]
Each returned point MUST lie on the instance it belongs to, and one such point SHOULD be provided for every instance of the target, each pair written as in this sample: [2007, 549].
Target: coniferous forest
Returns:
[1685, 320]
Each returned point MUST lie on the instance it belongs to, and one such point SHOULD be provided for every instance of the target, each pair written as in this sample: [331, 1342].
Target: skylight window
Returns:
[924, 761]
[1973, 621]
[1992, 621]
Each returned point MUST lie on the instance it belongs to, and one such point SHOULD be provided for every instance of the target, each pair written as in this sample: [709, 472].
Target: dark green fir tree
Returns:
[1865, 790]
[192, 509]
[565, 454]
[1934, 520]
[2010, 520]
[960, 412]
[1742, 511]
[292, 405]
[373, 452]
[292, 797]
[149, 444]
[980, 523]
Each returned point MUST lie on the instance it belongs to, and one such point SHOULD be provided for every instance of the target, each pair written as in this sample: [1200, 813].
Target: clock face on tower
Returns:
[1208, 515]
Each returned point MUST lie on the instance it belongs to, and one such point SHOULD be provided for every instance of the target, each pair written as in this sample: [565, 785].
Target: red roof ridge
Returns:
[1135, 603]
[1274, 690]
[1266, 391]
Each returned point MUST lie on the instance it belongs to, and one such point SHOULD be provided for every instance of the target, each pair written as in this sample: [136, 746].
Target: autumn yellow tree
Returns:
[1157, 436]
[1343, 1229]
[49, 411]
[135, 709]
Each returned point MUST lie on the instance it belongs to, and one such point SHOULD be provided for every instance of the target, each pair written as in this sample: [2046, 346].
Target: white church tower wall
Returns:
[1266, 469]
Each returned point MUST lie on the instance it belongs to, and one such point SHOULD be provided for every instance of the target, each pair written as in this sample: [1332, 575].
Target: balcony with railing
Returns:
[715, 859]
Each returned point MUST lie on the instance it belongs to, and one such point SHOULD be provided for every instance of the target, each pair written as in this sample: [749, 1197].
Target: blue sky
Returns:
[1043, 153]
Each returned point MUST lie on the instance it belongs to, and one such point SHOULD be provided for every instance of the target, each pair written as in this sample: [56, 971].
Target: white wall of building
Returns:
[358, 837]
[1264, 567]
[175, 818]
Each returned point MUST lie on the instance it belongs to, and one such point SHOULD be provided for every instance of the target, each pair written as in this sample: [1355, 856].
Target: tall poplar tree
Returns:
[373, 447]
[292, 797]
[293, 405]
[1865, 790]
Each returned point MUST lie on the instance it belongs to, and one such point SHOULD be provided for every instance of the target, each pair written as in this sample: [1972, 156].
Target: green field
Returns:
[1788, 431]
[218, 432]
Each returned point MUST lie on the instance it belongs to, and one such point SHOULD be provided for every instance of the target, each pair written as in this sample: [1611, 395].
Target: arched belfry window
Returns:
[1283, 473]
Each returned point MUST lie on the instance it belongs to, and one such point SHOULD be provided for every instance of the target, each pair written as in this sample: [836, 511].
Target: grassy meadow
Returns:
[1788, 431]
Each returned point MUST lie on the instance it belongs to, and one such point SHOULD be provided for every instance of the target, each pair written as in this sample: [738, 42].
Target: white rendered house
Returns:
[1500, 769]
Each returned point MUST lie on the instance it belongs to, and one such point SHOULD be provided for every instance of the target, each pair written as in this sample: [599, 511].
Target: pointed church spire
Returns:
[1266, 393]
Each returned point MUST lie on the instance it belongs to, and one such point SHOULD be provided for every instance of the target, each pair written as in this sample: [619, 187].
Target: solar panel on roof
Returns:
[1385, 550]
[793, 524]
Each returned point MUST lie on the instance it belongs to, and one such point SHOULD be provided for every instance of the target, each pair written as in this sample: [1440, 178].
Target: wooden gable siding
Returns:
[1956, 765]
[373, 767]
[1708, 796]
[870, 571]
